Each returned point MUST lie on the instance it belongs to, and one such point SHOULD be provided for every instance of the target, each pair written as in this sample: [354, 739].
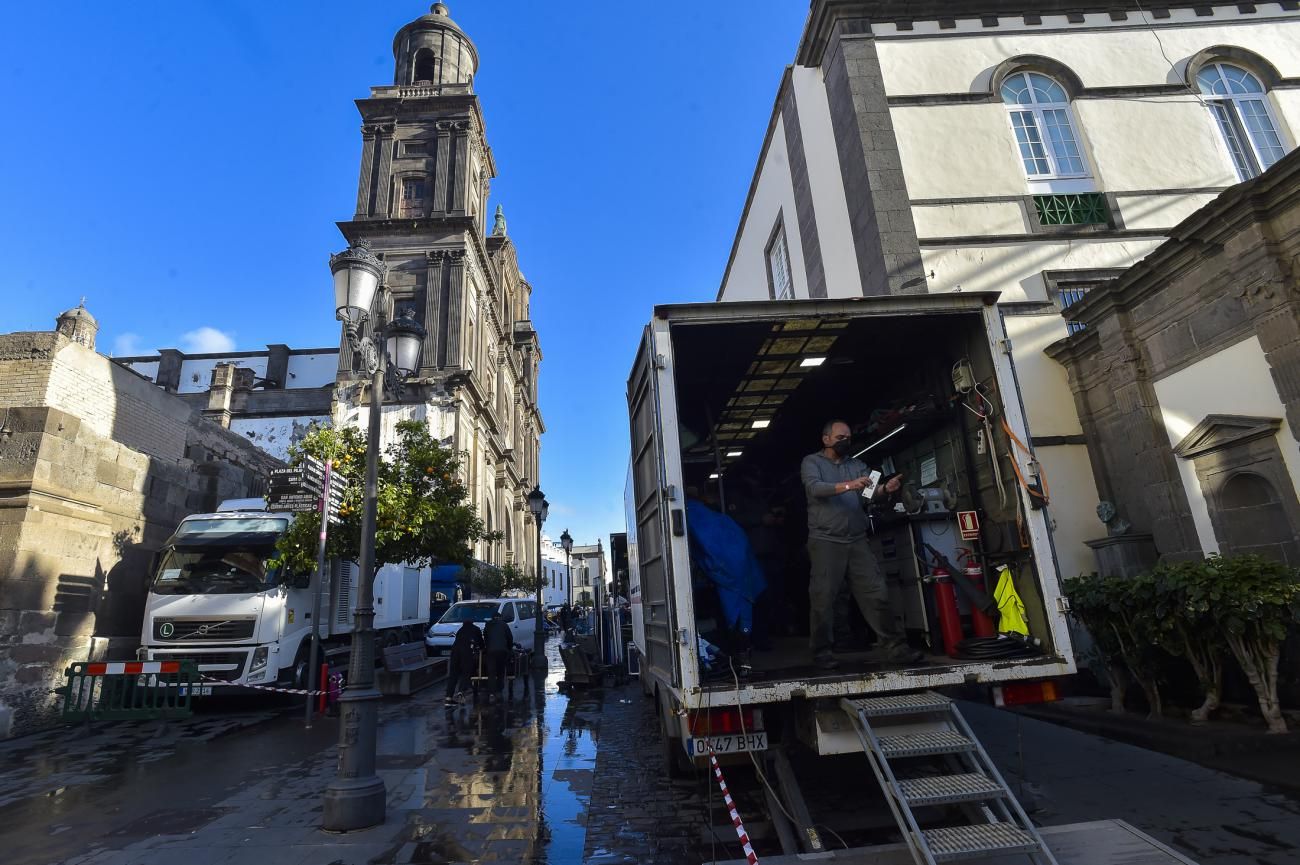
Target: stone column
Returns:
[277, 366]
[220, 394]
[384, 141]
[460, 170]
[440, 177]
[169, 369]
[456, 309]
[366, 182]
[433, 309]
[345, 354]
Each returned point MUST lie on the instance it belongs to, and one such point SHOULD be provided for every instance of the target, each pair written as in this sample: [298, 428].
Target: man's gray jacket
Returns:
[832, 516]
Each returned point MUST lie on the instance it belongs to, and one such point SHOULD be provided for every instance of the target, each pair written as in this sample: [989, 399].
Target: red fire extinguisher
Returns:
[981, 624]
[945, 603]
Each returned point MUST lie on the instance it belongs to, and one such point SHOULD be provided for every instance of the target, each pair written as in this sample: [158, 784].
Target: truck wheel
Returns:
[297, 674]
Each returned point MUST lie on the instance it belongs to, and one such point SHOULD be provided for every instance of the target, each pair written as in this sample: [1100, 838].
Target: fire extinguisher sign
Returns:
[969, 523]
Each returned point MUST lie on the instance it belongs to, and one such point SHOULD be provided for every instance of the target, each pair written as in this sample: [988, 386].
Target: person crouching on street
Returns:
[464, 660]
[497, 639]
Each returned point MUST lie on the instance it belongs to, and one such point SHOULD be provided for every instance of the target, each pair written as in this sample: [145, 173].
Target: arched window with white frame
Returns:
[1043, 123]
[1238, 102]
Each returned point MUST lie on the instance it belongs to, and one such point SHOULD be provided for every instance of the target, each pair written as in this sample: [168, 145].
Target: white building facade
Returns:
[557, 580]
[1032, 149]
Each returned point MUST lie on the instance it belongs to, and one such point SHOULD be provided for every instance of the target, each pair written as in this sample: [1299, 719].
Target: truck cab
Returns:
[216, 599]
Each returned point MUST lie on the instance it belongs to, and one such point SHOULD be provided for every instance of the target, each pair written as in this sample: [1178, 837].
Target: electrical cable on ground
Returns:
[758, 769]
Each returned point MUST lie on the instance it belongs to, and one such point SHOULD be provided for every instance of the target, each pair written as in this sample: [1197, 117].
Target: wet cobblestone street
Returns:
[549, 775]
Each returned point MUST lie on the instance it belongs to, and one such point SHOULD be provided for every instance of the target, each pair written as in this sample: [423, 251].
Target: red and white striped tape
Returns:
[131, 668]
[750, 855]
[270, 688]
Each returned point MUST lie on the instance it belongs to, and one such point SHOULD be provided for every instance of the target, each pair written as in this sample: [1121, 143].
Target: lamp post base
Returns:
[539, 650]
[354, 803]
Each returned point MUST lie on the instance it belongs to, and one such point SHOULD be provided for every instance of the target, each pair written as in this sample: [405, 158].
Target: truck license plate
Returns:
[196, 690]
[756, 741]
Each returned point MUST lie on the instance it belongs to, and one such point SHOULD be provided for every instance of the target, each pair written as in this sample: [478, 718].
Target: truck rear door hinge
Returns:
[1005, 345]
[660, 363]
[1063, 604]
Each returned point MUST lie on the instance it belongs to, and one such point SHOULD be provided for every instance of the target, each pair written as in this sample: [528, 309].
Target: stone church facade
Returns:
[424, 180]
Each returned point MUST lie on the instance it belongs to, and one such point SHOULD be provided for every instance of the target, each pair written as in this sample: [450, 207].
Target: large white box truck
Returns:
[725, 400]
[214, 599]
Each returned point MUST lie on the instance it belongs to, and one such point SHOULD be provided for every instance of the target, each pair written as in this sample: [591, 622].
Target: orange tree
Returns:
[423, 511]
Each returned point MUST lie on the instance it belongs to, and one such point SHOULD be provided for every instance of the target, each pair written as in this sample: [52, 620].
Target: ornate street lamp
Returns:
[355, 798]
[566, 542]
[540, 508]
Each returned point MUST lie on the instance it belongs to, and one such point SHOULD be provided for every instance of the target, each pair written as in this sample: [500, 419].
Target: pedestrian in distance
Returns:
[497, 641]
[566, 621]
[838, 548]
[464, 661]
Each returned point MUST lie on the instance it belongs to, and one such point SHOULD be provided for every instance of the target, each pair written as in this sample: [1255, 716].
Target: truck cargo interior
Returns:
[920, 395]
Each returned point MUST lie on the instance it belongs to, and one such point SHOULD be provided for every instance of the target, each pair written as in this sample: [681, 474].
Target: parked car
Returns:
[519, 614]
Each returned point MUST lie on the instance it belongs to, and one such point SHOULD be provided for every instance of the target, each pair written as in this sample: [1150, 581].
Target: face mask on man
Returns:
[842, 447]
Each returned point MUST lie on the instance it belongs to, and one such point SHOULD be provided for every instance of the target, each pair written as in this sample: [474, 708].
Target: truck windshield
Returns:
[468, 613]
[215, 569]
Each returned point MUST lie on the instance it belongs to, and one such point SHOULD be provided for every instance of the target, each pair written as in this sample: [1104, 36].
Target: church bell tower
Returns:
[422, 206]
[423, 186]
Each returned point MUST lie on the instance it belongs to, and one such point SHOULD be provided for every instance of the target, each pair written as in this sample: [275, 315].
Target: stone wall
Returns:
[97, 466]
[1231, 273]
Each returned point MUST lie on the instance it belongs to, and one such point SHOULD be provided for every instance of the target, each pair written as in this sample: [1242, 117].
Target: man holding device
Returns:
[834, 483]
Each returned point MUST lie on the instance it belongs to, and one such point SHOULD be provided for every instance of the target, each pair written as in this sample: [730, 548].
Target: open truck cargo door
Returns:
[726, 399]
[657, 510]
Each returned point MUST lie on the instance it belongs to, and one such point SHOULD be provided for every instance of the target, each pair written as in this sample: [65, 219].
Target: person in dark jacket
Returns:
[464, 660]
[497, 641]
[566, 621]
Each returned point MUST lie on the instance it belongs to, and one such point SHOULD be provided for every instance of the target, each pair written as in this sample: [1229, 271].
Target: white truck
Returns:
[215, 600]
[725, 399]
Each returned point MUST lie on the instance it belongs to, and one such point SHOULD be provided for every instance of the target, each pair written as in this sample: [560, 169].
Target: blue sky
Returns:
[182, 165]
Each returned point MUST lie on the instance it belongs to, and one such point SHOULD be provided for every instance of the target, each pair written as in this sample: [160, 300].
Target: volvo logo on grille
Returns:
[166, 629]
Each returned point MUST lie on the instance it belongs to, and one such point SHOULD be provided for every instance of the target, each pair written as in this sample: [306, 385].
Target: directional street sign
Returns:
[294, 507]
[300, 489]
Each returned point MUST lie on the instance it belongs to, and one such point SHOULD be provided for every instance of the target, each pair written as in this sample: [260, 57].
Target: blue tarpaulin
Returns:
[720, 549]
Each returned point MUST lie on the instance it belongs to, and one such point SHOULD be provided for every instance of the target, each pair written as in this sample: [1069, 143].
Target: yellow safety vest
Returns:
[1011, 608]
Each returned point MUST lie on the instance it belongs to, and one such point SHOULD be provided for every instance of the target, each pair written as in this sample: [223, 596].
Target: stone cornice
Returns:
[1071, 349]
[858, 16]
[1204, 233]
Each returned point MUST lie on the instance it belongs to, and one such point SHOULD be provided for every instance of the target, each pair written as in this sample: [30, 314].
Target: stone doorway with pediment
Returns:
[1248, 490]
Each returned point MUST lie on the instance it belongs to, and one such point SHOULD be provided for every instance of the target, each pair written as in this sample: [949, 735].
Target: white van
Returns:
[520, 614]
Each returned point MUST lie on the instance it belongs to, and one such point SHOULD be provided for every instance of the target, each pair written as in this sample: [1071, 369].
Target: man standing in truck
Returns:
[837, 546]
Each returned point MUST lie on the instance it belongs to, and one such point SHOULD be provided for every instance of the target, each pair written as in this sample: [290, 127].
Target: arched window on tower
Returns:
[1043, 123]
[426, 67]
[1239, 104]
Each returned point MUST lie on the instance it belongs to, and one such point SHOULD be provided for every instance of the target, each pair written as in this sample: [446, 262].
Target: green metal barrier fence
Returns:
[128, 690]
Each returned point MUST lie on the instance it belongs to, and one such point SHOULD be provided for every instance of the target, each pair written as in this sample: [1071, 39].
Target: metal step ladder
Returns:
[898, 729]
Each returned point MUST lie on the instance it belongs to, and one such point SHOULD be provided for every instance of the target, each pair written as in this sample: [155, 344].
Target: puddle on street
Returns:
[569, 731]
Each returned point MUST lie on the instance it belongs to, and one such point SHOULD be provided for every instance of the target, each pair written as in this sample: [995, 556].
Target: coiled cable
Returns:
[1005, 646]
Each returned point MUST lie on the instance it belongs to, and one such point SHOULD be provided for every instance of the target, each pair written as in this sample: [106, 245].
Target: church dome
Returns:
[434, 49]
[78, 325]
